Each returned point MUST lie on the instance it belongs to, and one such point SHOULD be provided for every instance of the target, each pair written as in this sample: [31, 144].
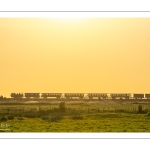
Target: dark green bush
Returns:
[30, 115]
[148, 114]
[77, 117]
[43, 112]
[45, 117]
[10, 117]
[20, 118]
[62, 107]
[53, 118]
[3, 119]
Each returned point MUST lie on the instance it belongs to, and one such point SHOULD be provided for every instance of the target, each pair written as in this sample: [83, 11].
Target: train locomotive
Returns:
[17, 95]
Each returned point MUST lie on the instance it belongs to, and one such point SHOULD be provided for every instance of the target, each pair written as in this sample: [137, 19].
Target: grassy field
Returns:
[77, 116]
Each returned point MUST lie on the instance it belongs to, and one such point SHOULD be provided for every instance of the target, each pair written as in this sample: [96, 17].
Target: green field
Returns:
[77, 116]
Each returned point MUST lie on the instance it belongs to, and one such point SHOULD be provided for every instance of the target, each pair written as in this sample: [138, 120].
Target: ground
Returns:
[78, 116]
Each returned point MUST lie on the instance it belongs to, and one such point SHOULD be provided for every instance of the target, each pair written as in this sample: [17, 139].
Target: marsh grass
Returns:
[98, 122]
[77, 117]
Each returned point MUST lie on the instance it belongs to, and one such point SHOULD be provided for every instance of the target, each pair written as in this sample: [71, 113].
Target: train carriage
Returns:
[98, 95]
[147, 96]
[32, 95]
[120, 95]
[138, 96]
[72, 95]
[55, 95]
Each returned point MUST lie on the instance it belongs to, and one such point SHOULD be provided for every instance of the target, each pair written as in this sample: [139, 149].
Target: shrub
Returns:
[43, 112]
[140, 109]
[20, 118]
[3, 119]
[19, 115]
[62, 107]
[53, 118]
[148, 114]
[30, 115]
[45, 117]
[10, 117]
[77, 117]
[74, 112]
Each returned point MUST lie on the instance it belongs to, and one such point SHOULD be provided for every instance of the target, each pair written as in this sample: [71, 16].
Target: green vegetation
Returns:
[103, 116]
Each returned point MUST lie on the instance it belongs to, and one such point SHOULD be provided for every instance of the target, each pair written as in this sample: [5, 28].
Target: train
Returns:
[78, 96]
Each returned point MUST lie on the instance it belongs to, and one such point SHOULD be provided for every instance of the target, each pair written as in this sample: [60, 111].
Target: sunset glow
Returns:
[74, 55]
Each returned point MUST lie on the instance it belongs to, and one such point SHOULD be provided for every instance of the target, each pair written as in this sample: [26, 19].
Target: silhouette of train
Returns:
[79, 96]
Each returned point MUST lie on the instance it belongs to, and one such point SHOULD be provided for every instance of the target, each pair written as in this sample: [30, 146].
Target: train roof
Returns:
[138, 93]
[97, 93]
[17, 92]
[74, 93]
[32, 93]
[120, 93]
[50, 93]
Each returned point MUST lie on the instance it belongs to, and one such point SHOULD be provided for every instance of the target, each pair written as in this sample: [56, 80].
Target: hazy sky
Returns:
[74, 55]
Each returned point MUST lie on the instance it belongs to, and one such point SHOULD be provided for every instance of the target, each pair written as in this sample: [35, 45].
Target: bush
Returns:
[74, 112]
[54, 118]
[148, 114]
[62, 107]
[45, 117]
[30, 115]
[20, 118]
[19, 115]
[77, 117]
[10, 117]
[3, 119]
[43, 112]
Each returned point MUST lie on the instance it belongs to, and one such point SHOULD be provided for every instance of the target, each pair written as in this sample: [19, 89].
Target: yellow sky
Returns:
[74, 55]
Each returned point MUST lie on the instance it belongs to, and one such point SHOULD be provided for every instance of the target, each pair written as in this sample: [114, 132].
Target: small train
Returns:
[79, 96]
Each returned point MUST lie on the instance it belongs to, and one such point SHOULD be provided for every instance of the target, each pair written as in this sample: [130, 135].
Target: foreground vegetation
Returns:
[75, 117]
